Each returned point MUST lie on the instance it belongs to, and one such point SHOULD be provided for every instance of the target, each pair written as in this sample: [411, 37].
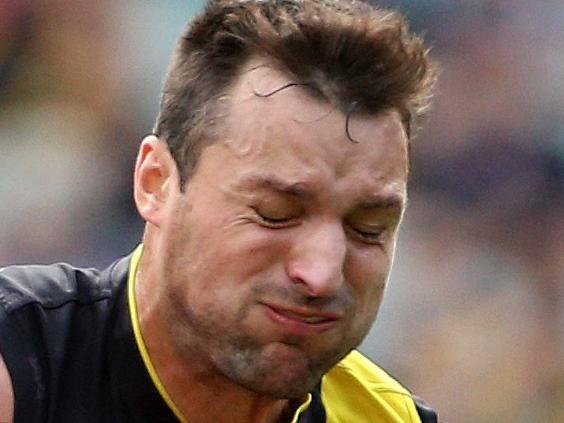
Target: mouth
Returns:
[301, 321]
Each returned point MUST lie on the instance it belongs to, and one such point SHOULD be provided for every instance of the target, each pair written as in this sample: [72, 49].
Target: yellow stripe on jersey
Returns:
[139, 337]
[357, 390]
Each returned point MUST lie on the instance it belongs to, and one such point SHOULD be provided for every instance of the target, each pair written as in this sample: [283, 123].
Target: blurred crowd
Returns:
[473, 320]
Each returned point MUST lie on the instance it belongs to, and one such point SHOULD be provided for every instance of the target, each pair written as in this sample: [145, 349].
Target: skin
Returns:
[6, 394]
[271, 265]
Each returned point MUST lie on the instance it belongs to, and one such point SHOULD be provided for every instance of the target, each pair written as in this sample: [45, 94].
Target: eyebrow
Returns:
[301, 190]
[390, 201]
[272, 182]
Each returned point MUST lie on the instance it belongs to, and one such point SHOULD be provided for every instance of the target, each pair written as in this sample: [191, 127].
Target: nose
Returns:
[317, 260]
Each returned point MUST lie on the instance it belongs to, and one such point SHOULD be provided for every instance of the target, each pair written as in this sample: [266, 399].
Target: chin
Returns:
[279, 370]
[285, 385]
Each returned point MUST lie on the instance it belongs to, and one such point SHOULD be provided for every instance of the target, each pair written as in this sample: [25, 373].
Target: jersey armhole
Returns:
[424, 410]
[22, 366]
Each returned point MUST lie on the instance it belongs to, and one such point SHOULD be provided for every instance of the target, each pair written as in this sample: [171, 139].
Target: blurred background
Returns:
[474, 315]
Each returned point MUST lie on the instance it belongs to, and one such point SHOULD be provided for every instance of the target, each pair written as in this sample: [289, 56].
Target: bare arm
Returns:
[6, 394]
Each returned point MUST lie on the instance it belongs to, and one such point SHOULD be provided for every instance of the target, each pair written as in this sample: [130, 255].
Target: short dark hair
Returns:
[358, 57]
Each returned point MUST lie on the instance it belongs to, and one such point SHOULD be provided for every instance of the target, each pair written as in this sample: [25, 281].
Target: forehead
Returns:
[272, 125]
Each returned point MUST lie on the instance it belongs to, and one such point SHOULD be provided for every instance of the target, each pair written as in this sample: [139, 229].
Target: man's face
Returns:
[276, 256]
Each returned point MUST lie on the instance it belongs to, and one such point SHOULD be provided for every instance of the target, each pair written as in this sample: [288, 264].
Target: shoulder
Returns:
[48, 313]
[358, 390]
[51, 286]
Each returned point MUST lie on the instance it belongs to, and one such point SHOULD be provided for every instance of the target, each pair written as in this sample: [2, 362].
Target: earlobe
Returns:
[154, 179]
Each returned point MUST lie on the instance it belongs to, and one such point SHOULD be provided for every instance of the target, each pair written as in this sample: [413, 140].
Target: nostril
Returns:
[317, 279]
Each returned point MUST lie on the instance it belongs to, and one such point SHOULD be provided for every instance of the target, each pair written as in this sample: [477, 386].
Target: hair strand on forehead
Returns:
[282, 88]
[350, 110]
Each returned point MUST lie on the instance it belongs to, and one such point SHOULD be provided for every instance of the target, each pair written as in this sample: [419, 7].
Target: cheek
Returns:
[249, 251]
[232, 255]
[219, 284]
[367, 273]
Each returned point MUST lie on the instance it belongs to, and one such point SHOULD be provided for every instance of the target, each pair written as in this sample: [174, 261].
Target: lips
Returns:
[307, 318]
[301, 320]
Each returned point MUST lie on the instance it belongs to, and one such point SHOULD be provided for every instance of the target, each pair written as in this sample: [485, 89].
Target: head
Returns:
[276, 183]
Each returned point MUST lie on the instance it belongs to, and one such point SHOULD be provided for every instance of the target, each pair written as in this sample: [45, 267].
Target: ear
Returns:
[155, 180]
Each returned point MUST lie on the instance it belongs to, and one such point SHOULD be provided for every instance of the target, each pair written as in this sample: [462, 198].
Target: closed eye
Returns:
[273, 220]
[372, 235]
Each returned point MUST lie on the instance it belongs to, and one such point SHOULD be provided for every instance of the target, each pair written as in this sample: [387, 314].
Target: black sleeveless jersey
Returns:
[67, 339]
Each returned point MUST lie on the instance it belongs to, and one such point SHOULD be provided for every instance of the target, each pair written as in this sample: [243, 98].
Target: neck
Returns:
[199, 392]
